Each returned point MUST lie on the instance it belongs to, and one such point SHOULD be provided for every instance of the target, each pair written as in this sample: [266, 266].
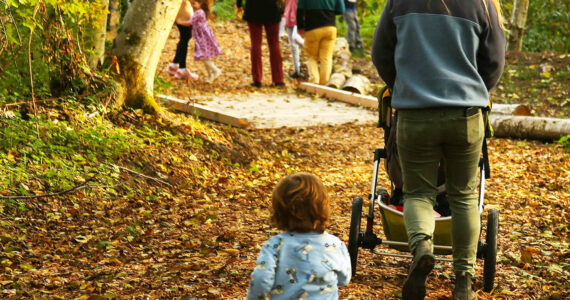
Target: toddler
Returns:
[304, 261]
[206, 47]
[178, 65]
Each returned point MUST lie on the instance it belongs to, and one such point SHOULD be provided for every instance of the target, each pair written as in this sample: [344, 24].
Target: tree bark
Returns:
[511, 109]
[342, 62]
[336, 81]
[357, 84]
[529, 127]
[138, 47]
[518, 22]
[96, 57]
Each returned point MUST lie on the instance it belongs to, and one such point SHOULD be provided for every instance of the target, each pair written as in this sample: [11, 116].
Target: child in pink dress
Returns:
[206, 46]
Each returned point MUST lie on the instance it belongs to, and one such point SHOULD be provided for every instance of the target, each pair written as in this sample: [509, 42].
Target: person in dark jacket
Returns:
[261, 14]
[317, 20]
[440, 58]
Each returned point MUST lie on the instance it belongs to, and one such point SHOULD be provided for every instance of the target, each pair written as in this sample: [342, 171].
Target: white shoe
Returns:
[216, 74]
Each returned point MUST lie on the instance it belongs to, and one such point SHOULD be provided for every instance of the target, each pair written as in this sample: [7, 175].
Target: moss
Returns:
[136, 93]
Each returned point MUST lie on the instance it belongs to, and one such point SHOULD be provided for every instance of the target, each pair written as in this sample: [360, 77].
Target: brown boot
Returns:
[415, 284]
[463, 289]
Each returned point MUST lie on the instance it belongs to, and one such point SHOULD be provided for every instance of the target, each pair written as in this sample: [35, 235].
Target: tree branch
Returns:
[77, 187]
[142, 175]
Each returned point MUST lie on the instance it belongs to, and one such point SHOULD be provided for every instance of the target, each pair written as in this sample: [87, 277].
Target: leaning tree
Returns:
[138, 47]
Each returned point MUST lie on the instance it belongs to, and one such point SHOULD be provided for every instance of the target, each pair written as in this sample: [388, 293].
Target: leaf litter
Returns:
[200, 237]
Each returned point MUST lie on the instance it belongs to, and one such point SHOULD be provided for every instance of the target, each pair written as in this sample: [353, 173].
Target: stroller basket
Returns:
[395, 229]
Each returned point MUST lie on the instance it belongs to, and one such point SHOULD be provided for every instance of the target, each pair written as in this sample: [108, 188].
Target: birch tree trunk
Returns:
[358, 83]
[529, 127]
[510, 109]
[518, 22]
[96, 58]
[138, 46]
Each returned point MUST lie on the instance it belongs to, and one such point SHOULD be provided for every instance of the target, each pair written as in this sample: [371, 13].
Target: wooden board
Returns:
[340, 95]
[204, 112]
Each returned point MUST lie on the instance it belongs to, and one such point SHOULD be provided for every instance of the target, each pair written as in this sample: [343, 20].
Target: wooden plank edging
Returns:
[340, 95]
[204, 112]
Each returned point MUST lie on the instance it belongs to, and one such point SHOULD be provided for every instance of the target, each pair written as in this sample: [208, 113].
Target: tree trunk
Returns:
[336, 81]
[529, 127]
[511, 109]
[138, 47]
[96, 57]
[518, 22]
[357, 84]
[341, 58]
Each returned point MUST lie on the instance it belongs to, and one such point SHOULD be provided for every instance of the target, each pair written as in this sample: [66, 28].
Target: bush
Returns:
[62, 34]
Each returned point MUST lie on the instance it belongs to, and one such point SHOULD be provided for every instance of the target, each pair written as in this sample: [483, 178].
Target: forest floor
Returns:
[194, 223]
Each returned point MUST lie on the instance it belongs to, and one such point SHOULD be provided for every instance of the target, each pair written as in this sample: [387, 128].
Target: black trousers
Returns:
[182, 47]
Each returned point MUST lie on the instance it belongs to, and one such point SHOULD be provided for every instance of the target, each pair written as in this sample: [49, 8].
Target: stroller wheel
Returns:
[490, 262]
[354, 234]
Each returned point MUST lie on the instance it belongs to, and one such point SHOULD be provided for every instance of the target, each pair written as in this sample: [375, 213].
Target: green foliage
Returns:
[369, 12]
[548, 24]
[61, 36]
[565, 141]
[224, 9]
[64, 150]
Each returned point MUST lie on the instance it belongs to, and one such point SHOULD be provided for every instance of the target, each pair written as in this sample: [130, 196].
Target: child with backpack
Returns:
[303, 261]
[206, 46]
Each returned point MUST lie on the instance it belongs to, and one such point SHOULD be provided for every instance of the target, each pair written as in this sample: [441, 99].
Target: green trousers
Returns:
[424, 136]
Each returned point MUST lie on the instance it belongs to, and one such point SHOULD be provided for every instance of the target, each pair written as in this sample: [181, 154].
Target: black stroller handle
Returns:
[485, 158]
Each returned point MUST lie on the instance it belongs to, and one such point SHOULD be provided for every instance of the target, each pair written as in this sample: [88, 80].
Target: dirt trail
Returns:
[530, 179]
[265, 110]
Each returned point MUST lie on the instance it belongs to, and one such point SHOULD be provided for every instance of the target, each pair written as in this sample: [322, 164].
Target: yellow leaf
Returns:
[26, 266]
[545, 74]
[82, 239]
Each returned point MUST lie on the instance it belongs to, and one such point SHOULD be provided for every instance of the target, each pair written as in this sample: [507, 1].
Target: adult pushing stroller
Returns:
[392, 220]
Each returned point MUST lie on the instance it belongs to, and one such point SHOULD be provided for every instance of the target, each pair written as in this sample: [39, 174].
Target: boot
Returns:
[422, 264]
[463, 289]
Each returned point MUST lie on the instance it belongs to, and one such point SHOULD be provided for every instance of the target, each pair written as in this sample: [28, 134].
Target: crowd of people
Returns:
[310, 25]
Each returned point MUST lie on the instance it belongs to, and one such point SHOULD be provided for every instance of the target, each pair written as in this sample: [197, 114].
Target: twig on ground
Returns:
[142, 175]
[77, 187]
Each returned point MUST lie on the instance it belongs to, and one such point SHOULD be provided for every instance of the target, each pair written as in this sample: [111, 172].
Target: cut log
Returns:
[204, 112]
[336, 81]
[340, 95]
[511, 109]
[529, 127]
[357, 84]
[342, 62]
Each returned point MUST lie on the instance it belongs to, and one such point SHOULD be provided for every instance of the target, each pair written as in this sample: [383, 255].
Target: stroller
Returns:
[392, 218]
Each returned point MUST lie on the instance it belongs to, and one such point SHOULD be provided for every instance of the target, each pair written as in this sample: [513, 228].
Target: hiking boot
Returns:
[256, 84]
[462, 290]
[422, 264]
